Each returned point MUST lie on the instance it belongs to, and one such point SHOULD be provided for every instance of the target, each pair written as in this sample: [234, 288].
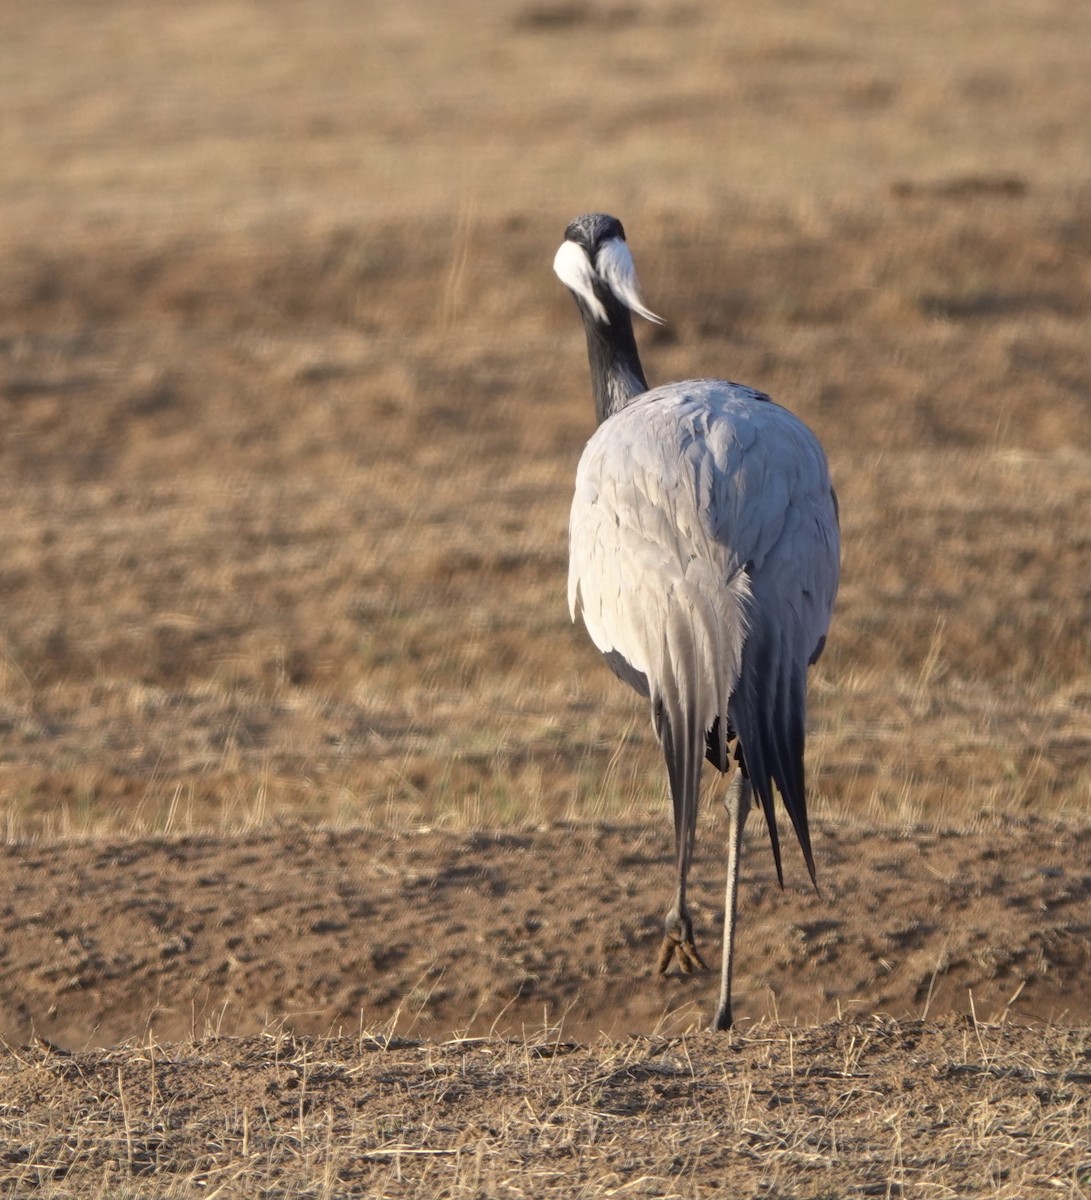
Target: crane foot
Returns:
[681, 950]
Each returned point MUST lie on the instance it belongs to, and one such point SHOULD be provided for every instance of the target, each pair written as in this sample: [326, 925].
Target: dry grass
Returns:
[300, 570]
[854, 1108]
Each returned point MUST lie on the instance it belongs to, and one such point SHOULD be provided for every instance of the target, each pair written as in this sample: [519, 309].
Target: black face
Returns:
[592, 229]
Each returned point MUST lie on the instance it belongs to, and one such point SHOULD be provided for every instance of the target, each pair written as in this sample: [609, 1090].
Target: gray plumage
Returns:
[703, 558]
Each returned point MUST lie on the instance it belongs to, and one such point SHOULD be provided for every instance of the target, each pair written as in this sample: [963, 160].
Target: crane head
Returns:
[595, 265]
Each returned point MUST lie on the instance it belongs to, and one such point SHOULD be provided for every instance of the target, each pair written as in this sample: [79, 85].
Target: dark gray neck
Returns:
[616, 374]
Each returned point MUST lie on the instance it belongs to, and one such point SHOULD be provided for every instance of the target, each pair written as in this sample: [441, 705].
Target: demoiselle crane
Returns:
[704, 554]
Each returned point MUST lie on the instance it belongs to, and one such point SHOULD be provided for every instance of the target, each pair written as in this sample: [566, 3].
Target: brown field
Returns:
[334, 858]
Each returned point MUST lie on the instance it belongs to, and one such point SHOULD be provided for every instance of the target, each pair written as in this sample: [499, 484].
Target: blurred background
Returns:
[291, 401]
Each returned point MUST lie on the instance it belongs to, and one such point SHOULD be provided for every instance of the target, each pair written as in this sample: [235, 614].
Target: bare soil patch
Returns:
[424, 933]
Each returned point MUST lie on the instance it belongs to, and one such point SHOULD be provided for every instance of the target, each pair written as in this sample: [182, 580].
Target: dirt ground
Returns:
[429, 934]
[297, 742]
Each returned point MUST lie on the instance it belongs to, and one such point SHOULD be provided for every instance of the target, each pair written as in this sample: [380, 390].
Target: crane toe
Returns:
[679, 948]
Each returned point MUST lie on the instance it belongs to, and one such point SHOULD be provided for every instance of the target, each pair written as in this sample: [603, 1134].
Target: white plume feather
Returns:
[574, 270]
[613, 267]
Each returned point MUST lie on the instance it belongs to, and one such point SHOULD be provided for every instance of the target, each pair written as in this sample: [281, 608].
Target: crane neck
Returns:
[616, 374]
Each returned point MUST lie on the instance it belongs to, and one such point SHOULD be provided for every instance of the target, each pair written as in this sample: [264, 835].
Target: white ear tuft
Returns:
[574, 270]
[615, 268]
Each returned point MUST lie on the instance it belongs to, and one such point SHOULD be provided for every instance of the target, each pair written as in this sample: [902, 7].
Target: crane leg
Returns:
[678, 945]
[684, 756]
[737, 801]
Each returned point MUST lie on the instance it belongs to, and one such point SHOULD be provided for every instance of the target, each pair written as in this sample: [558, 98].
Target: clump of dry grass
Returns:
[856, 1107]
